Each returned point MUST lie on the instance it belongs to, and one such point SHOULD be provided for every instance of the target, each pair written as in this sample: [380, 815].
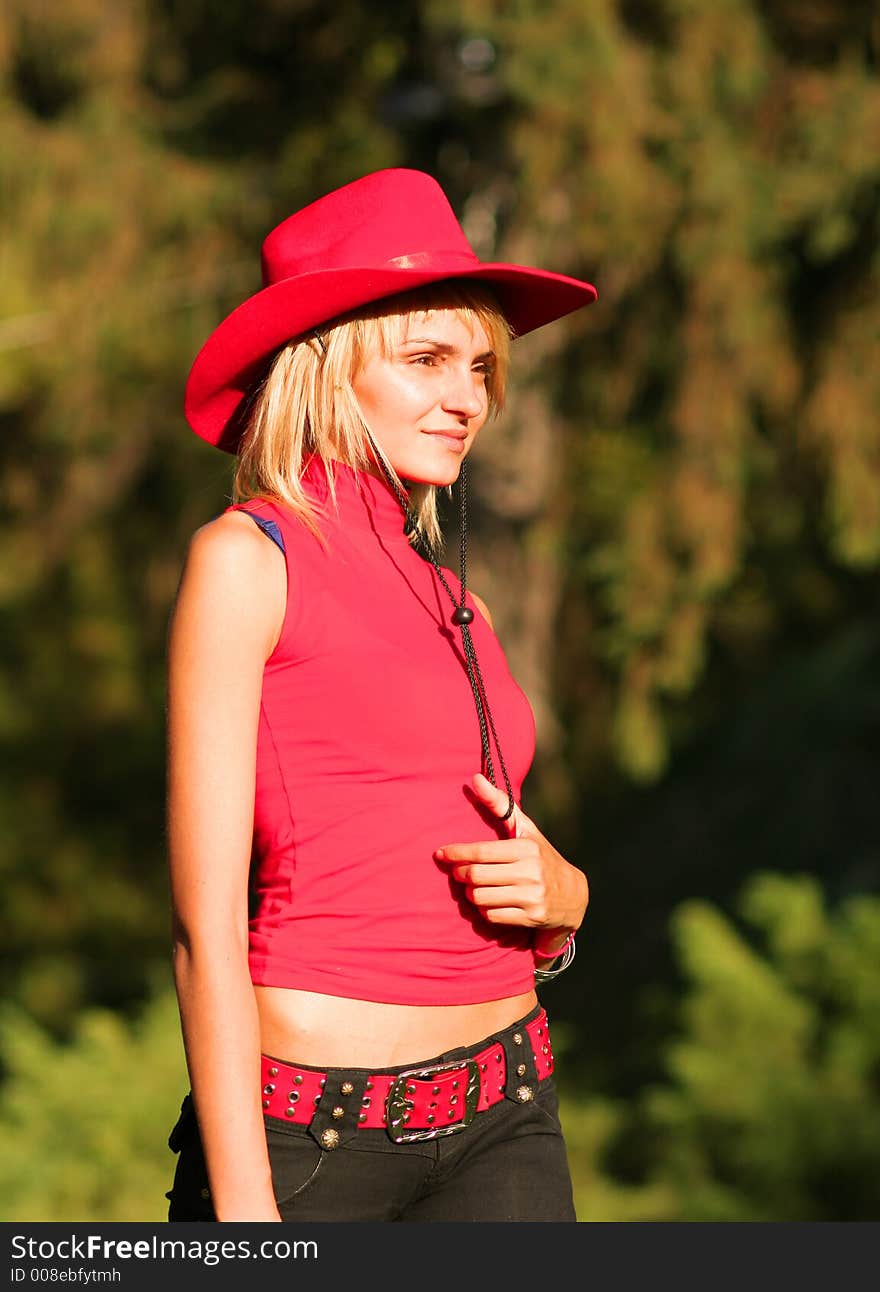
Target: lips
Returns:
[453, 443]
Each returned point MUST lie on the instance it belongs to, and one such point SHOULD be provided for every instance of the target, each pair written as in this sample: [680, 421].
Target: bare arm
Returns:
[224, 624]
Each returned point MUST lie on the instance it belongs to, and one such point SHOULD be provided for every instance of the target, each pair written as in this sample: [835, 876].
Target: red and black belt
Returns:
[420, 1103]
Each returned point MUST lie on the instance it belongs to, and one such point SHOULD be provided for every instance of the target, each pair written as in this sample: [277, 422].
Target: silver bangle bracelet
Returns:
[557, 966]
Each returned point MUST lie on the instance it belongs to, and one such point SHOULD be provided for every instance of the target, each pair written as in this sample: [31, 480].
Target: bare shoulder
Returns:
[234, 575]
[233, 537]
[483, 609]
[233, 554]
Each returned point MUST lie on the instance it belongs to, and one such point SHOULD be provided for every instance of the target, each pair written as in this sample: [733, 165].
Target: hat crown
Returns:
[392, 218]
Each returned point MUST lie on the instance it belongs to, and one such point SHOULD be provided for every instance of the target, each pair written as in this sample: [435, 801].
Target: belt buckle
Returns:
[400, 1104]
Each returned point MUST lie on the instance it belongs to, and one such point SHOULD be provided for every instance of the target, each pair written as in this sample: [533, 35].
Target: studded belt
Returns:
[419, 1103]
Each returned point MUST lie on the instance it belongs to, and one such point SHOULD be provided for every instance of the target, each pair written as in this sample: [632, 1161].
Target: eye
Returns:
[426, 360]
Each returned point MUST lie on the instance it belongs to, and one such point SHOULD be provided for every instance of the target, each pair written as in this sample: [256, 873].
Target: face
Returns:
[426, 401]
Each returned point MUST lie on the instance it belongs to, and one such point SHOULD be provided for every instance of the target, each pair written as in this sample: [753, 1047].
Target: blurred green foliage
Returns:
[83, 1125]
[679, 522]
[768, 1107]
[774, 1108]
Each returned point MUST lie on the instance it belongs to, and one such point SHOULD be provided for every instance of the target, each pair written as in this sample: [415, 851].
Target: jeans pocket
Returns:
[295, 1161]
[546, 1102]
[190, 1196]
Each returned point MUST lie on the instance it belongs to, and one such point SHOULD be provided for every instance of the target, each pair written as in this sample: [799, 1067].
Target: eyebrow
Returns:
[443, 346]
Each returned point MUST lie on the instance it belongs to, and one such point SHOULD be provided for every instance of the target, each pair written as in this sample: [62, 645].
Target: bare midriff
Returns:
[337, 1032]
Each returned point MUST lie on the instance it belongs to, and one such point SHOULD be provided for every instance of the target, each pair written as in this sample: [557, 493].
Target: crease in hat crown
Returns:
[374, 229]
[386, 233]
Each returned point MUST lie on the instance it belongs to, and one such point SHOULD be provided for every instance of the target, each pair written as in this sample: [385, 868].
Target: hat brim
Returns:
[236, 353]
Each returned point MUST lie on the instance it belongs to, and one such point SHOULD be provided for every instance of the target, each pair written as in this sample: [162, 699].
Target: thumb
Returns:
[497, 802]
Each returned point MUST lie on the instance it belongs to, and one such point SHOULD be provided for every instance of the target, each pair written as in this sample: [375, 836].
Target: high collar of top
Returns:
[364, 502]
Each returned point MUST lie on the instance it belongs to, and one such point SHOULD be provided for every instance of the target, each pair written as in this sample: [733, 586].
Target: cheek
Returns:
[367, 395]
[396, 400]
[376, 391]
[479, 422]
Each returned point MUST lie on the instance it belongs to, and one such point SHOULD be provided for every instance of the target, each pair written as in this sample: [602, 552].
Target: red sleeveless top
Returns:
[368, 737]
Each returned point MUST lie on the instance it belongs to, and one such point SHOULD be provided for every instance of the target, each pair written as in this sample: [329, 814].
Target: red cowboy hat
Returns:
[388, 232]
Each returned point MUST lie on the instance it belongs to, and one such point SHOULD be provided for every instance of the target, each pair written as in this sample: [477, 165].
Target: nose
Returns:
[464, 394]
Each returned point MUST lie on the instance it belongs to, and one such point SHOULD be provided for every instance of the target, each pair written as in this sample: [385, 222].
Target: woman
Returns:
[360, 909]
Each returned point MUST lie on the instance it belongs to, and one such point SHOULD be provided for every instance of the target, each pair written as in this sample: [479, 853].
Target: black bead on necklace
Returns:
[462, 616]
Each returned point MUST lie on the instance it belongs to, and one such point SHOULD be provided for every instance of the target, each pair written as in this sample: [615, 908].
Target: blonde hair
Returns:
[306, 405]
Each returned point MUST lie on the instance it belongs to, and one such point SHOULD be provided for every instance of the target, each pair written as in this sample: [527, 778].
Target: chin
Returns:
[433, 476]
[438, 469]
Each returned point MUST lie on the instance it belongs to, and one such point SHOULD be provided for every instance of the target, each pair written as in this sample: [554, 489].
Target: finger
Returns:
[507, 915]
[496, 801]
[489, 850]
[496, 876]
[507, 897]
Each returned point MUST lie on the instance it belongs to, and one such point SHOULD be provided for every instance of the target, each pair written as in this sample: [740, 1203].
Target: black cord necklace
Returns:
[462, 617]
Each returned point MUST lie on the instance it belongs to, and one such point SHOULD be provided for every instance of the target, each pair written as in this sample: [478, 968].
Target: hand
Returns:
[521, 880]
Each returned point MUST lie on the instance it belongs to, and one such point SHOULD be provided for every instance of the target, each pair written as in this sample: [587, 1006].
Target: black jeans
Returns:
[510, 1163]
